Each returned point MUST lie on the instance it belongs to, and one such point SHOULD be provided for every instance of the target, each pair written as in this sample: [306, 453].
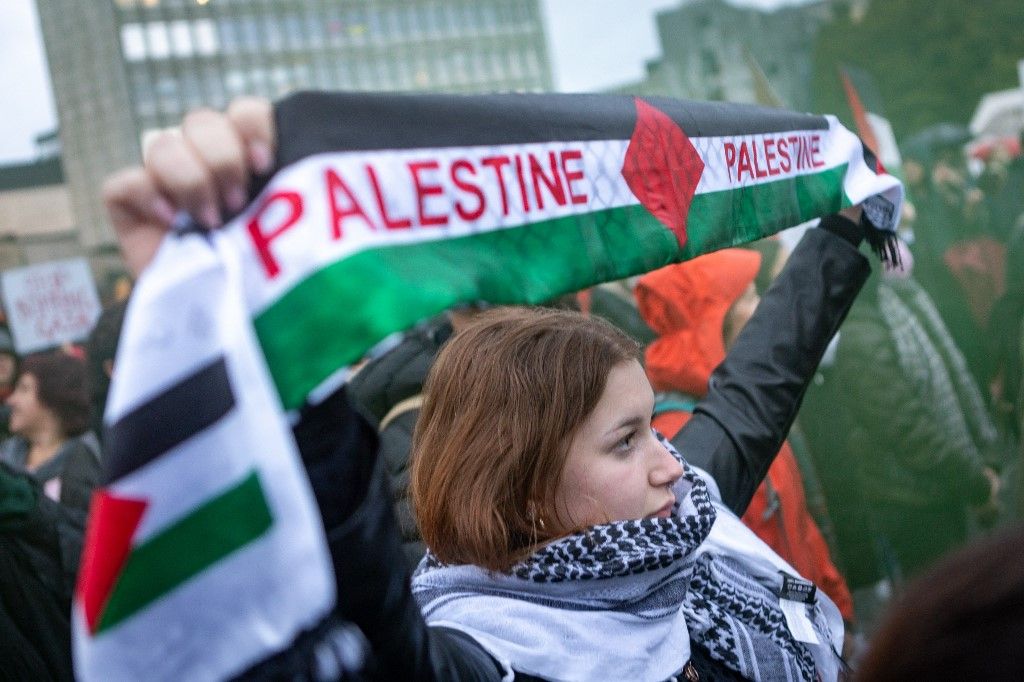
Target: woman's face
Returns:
[27, 413]
[616, 469]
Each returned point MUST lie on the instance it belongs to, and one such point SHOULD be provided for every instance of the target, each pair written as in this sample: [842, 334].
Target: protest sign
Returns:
[49, 303]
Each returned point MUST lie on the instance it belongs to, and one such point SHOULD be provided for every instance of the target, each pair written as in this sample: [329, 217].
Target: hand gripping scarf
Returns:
[624, 600]
[204, 553]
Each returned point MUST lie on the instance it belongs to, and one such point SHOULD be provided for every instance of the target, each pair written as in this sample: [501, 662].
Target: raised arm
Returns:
[754, 395]
[208, 171]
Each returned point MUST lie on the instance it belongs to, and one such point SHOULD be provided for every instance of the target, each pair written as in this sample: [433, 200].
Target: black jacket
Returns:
[385, 391]
[76, 465]
[734, 435]
[40, 546]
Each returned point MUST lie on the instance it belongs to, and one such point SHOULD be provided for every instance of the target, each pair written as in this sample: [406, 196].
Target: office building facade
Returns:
[712, 50]
[122, 68]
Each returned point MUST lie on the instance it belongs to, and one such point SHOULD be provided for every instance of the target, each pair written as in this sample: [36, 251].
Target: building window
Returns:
[487, 19]
[312, 32]
[158, 43]
[214, 85]
[273, 37]
[142, 93]
[236, 82]
[133, 42]
[292, 27]
[374, 25]
[250, 35]
[335, 26]
[356, 26]
[230, 35]
[532, 63]
[191, 90]
[709, 62]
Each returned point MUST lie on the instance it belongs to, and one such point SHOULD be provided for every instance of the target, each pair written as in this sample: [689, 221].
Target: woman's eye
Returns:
[627, 442]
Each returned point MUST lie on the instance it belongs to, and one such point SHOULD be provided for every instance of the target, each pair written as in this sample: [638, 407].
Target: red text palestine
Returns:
[527, 182]
[768, 156]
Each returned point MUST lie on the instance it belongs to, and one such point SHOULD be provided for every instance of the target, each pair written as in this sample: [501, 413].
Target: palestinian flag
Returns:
[418, 203]
[204, 550]
[204, 553]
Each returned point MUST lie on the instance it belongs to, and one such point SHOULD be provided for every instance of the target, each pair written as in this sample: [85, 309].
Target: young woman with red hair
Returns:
[567, 539]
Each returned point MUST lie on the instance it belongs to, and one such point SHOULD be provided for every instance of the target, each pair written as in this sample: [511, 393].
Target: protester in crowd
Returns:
[1002, 181]
[1018, 479]
[859, 550]
[959, 263]
[40, 546]
[1006, 334]
[50, 423]
[963, 620]
[614, 302]
[906, 412]
[388, 391]
[535, 427]
[8, 363]
[8, 374]
[100, 351]
[698, 309]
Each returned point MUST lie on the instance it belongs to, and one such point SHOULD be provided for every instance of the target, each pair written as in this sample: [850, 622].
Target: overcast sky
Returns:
[593, 43]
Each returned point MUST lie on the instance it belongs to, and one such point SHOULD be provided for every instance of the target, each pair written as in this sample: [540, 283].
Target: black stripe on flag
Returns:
[314, 122]
[182, 411]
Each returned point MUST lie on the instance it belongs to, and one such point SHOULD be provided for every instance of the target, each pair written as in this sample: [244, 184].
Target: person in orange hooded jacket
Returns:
[697, 308]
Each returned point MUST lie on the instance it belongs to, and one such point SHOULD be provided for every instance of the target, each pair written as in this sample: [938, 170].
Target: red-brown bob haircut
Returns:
[501, 405]
[61, 387]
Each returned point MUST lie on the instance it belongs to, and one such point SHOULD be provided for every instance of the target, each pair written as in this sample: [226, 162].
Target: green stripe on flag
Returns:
[221, 526]
[389, 289]
[379, 291]
[757, 211]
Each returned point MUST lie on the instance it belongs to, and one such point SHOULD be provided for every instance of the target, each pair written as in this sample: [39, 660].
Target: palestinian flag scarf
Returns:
[204, 552]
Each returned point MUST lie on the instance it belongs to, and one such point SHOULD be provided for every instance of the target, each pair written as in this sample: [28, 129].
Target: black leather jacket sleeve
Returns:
[754, 395]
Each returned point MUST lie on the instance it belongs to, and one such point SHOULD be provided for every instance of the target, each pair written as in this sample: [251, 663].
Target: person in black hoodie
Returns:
[8, 373]
[40, 546]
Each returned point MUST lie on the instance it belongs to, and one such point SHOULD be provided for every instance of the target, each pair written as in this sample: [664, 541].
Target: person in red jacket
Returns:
[697, 309]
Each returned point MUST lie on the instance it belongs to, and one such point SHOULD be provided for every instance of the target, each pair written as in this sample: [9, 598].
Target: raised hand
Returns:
[205, 170]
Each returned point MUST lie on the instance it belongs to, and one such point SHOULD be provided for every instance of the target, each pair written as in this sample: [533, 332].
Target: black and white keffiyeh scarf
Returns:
[623, 601]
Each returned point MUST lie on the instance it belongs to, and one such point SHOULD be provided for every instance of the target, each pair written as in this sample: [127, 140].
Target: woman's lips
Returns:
[666, 511]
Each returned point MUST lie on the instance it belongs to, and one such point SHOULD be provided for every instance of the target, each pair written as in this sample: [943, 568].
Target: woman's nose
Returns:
[667, 469]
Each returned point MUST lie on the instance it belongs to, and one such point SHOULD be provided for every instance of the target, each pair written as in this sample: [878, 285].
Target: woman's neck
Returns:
[43, 446]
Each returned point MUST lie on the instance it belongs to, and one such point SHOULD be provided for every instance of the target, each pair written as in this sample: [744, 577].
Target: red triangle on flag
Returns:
[108, 542]
[662, 168]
